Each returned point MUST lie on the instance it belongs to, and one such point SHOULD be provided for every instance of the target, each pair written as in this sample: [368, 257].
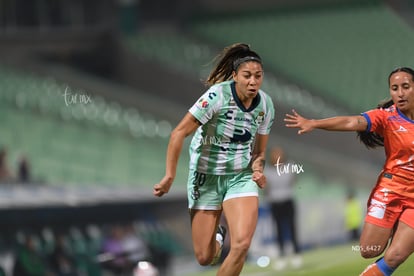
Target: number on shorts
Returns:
[199, 178]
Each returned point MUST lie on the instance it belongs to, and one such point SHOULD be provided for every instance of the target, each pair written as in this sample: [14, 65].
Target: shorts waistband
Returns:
[398, 178]
[387, 175]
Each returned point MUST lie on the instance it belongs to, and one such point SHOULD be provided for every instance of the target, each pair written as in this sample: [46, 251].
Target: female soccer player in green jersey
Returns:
[231, 122]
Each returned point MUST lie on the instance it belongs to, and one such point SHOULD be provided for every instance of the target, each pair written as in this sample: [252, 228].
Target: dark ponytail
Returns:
[229, 60]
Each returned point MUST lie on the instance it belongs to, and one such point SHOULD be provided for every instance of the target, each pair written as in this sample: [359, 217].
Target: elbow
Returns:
[177, 134]
[174, 135]
[184, 129]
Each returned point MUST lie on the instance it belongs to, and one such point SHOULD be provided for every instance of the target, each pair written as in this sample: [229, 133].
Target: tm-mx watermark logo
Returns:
[76, 97]
[285, 168]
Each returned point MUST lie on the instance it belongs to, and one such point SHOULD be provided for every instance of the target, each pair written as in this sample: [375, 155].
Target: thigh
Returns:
[241, 215]
[407, 215]
[203, 228]
[374, 239]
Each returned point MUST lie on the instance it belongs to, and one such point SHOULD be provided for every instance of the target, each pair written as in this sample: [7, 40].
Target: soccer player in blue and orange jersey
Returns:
[391, 203]
[231, 122]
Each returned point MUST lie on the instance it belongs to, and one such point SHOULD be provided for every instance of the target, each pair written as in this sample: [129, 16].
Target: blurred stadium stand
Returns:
[141, 64]
[343, 53]
[84, 134]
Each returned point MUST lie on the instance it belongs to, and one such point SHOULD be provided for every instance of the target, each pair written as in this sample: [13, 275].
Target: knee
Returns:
[241, 247]
[394, 257]
[203, 259]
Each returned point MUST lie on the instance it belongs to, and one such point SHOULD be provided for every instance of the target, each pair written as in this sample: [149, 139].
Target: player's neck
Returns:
[246, 101]
[408, 113]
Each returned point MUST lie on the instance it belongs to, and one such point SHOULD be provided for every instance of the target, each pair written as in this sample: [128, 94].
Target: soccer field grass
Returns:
[339, 261]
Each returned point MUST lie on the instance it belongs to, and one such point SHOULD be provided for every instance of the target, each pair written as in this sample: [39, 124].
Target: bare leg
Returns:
[203, 227]
[374, 240]
[401, 247]
[241, 214]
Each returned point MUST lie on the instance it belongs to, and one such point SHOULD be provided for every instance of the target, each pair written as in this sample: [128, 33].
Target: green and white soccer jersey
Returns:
[223, 144]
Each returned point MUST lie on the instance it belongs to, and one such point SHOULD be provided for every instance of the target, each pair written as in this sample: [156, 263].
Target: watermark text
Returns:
[285, 168]
[76, 98]
[367, 248]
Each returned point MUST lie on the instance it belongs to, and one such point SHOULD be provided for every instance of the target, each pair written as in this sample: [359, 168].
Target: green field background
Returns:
[331, 261]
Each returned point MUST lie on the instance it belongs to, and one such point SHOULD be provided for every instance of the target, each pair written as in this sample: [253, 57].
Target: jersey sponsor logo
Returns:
[229, 115]
[242, 119]
[202, 103]
[243, 137]
[211, 95]
[259, 119]
[401, 129]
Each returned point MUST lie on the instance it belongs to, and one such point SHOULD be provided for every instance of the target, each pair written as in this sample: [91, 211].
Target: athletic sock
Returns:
[220, 236]
[372, 270]
[219, 239]
[385, 269]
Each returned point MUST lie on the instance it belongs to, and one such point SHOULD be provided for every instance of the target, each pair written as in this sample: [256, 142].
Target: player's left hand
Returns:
[259, 178]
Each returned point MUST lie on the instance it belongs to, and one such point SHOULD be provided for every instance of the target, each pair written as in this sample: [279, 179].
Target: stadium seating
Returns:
[343, 53]
[183, 53]
[172, 49]
[79, 143]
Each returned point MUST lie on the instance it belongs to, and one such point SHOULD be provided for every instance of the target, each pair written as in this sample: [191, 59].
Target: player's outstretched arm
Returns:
[187, 126]
[339, 123]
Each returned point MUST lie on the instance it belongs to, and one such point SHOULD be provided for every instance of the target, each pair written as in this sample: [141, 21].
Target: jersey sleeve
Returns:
[375, 119]
[269, 116]
[205, 107]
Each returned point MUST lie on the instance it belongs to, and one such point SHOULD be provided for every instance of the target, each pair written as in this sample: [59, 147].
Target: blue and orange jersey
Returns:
[398, 132]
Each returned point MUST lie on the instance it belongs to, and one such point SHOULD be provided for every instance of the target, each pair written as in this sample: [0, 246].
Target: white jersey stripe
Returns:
[223, 144]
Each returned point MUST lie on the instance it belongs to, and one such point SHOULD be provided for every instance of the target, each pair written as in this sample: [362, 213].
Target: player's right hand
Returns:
[163, 186]
[259, 178]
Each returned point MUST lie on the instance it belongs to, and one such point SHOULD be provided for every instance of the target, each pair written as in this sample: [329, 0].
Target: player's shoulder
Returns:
[389, 110]
[266, 99]
[222, 89]
[264, 95]
[384, 112]
[224, 85]
[213, 96]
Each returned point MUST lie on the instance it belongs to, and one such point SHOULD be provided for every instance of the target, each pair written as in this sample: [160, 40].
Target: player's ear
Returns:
[234, 75]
